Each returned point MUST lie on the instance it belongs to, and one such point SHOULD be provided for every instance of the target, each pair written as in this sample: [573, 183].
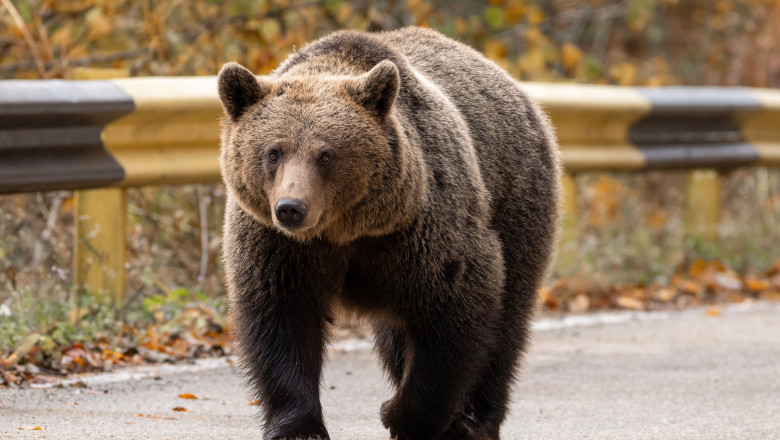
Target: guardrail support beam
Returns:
[99, 257]
[702, 203]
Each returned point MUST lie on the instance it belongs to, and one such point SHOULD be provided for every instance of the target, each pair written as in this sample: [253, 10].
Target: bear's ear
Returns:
[376, 89]
[238, 89]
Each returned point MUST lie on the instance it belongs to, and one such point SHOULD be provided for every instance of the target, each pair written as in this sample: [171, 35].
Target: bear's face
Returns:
[301, 153]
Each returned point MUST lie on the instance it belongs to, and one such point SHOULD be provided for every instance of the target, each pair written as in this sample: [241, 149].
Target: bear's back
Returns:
[514, 142]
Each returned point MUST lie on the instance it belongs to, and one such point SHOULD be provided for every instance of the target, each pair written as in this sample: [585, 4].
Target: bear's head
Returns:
[302, 153]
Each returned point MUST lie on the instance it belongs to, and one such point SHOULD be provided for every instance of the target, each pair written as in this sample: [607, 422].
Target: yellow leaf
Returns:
[624, 74]
[270, 29]
[756, 284]
[532, 62]
[514, 13]
[461, 27]
[187, 396]
[345, 11]
[179, 409]
[99, 25]
[714, 311]
[533, 35]
[571, 55]
[656, 81]
[717, 265]
[534, 14]
[62, 36]
[495, 49]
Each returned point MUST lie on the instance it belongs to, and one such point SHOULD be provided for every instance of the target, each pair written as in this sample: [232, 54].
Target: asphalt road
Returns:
[678, 376]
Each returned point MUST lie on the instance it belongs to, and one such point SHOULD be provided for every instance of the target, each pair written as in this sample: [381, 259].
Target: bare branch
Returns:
[27, 36]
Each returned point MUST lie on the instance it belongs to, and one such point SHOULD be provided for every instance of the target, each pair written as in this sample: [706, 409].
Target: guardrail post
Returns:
[567, 245]
[99, 257]
[100, 224]
[703, 203]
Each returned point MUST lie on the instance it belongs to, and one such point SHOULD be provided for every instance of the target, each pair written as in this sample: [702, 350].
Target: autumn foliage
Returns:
[626, 42]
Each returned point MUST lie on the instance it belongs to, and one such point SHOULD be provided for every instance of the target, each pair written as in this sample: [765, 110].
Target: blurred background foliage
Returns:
[625, 42]
[631, 248]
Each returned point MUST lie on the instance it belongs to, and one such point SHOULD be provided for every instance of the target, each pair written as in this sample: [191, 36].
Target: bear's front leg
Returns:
[446, 356]
[281, 354]
[280, 292]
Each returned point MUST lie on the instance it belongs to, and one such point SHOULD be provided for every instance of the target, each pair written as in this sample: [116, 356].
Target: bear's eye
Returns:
[325, 157]
[273, 156]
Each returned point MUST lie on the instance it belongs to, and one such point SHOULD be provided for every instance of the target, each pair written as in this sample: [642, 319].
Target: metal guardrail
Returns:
[151, 131]
[101, 136]
[638, 128]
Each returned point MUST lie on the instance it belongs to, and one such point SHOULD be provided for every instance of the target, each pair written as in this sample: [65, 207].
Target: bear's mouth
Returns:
[304, 230]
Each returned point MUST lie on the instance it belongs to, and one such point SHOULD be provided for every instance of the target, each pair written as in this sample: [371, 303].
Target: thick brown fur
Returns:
[429, 183]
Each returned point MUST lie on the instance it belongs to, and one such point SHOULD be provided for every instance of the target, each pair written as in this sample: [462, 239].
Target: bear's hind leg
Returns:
[487, 404]
[523, 227]
[441, 370]
[447, 346]
[390, 345]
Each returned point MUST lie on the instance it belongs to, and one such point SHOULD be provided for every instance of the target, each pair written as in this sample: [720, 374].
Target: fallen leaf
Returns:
[714, 311]
[666, 295]
[756, 284]
[697, 268]
[179, 409]
[44, 379]
[774, 270]
[253, 402]
[579, 304]
[150, 416]
[690, 287]
[771, 295]
[728, 281]
[629, 303]
[187, 396]
[12, 359]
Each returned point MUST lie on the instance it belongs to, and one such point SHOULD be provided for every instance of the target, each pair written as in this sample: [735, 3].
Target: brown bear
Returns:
[406, 178]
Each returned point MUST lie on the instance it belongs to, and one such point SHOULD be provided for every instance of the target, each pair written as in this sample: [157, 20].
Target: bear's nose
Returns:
[290, 212]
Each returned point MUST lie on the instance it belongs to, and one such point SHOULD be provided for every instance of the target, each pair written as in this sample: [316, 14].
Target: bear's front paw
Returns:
[463, 428]
[392, 416]
[388, 413]
[466, 427]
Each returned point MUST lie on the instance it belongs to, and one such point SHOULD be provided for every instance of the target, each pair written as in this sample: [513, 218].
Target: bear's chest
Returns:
[374, 282]
[383, 274]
